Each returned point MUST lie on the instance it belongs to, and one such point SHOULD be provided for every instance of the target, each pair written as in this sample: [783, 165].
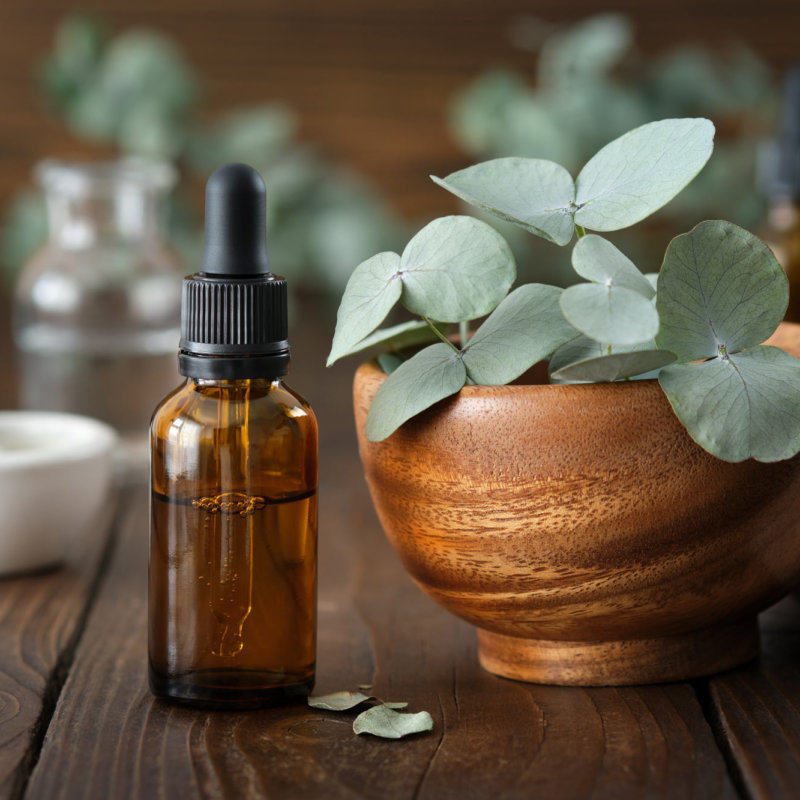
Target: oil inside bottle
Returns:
[244, 568]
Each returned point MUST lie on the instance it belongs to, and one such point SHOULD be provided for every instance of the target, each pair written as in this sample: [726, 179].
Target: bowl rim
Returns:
[91, 438]
[371, 371]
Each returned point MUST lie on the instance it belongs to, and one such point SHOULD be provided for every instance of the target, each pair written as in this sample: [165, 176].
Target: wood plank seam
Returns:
[58, 676]
[423, 777]
[702, 690]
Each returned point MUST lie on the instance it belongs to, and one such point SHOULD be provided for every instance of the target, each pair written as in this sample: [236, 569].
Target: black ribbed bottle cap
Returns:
[233, 320]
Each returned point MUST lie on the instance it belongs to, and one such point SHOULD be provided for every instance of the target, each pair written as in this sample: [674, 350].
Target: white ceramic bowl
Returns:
[55, 474]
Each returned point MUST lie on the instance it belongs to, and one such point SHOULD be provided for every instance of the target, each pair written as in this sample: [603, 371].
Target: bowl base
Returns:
[619, 663]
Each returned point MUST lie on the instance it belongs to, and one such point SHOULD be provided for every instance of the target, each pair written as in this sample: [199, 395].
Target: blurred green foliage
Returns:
[591, 85]
[135, 92]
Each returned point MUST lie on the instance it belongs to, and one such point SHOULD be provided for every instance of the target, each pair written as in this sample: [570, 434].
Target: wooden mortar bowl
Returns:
[582, 531]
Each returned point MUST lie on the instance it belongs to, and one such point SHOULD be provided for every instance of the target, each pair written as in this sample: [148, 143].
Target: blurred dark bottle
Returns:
[782, 181]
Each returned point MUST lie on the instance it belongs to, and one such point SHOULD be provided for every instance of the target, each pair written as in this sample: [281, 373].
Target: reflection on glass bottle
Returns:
[97, 309]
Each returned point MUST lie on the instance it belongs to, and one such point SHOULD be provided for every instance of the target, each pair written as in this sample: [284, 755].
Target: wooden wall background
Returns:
[370, 79]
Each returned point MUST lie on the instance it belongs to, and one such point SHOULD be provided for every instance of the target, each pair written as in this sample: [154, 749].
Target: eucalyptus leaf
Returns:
[524, 329]
[397, 337]
[431, 375]
[390, 724]
[456, 268]
[613, 367]
[338, 701]
[254, 135]
[639, 172]
[580, 348]
[586, 51]
[477, 113]
[599, 261]
[530, 128]
[610, 314]
[742, 406]
[719, 285]
[389, 362]
[530, 192]
[373, 288]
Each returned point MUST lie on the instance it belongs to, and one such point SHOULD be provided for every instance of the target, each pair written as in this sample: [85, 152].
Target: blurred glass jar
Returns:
[97, 309]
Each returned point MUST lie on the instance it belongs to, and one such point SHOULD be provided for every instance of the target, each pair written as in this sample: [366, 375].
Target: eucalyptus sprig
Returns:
[719, 295]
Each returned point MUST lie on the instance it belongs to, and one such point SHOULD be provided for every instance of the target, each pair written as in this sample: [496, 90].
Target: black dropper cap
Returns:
[233, 320]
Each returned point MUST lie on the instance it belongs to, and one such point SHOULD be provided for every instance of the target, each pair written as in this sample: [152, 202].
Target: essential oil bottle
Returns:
[233, 538]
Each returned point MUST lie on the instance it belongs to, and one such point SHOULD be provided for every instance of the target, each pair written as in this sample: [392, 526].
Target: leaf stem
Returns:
[440, 335]
[580, 231]
[463, 333]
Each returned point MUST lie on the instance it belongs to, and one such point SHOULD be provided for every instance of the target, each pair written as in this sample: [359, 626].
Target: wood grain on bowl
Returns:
[582, 530]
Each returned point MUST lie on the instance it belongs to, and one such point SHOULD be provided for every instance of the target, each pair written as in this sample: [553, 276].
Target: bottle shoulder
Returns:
[212, 405]
[234, 436]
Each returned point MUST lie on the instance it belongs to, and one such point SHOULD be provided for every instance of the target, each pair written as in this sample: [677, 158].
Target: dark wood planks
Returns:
[493, 738]
[499, 738]
[41, 618]
[756, 709]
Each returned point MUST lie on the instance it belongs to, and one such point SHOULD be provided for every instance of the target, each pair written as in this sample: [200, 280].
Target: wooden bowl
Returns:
[583, 532]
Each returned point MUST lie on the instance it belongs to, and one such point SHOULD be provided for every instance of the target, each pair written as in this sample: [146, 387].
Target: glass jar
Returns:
[97, 309]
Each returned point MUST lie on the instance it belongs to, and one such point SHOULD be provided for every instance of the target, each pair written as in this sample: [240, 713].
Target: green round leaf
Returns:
[455, 269]
[613, 367]
[397, 337]
[585, 51]
[431, 375]
[639, 172]
[530, 192]
[389, 362]
[390, 724]
[719, 285]
[741, 406]
[599, 261]
[338, 701]
[524, 329]
[254, 135]
[579, 348]
[477, 112]
[610, 314]
[373, 288]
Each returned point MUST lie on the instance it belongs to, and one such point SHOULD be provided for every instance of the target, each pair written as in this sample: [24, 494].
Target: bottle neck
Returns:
[245, 383]
[91, 204]
[128, 215]
[233, 368]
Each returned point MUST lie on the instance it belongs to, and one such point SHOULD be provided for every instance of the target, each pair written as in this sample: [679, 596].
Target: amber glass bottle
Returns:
[232, 600]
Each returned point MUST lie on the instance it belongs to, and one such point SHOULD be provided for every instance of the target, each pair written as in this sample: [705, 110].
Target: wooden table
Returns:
[77, 720]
